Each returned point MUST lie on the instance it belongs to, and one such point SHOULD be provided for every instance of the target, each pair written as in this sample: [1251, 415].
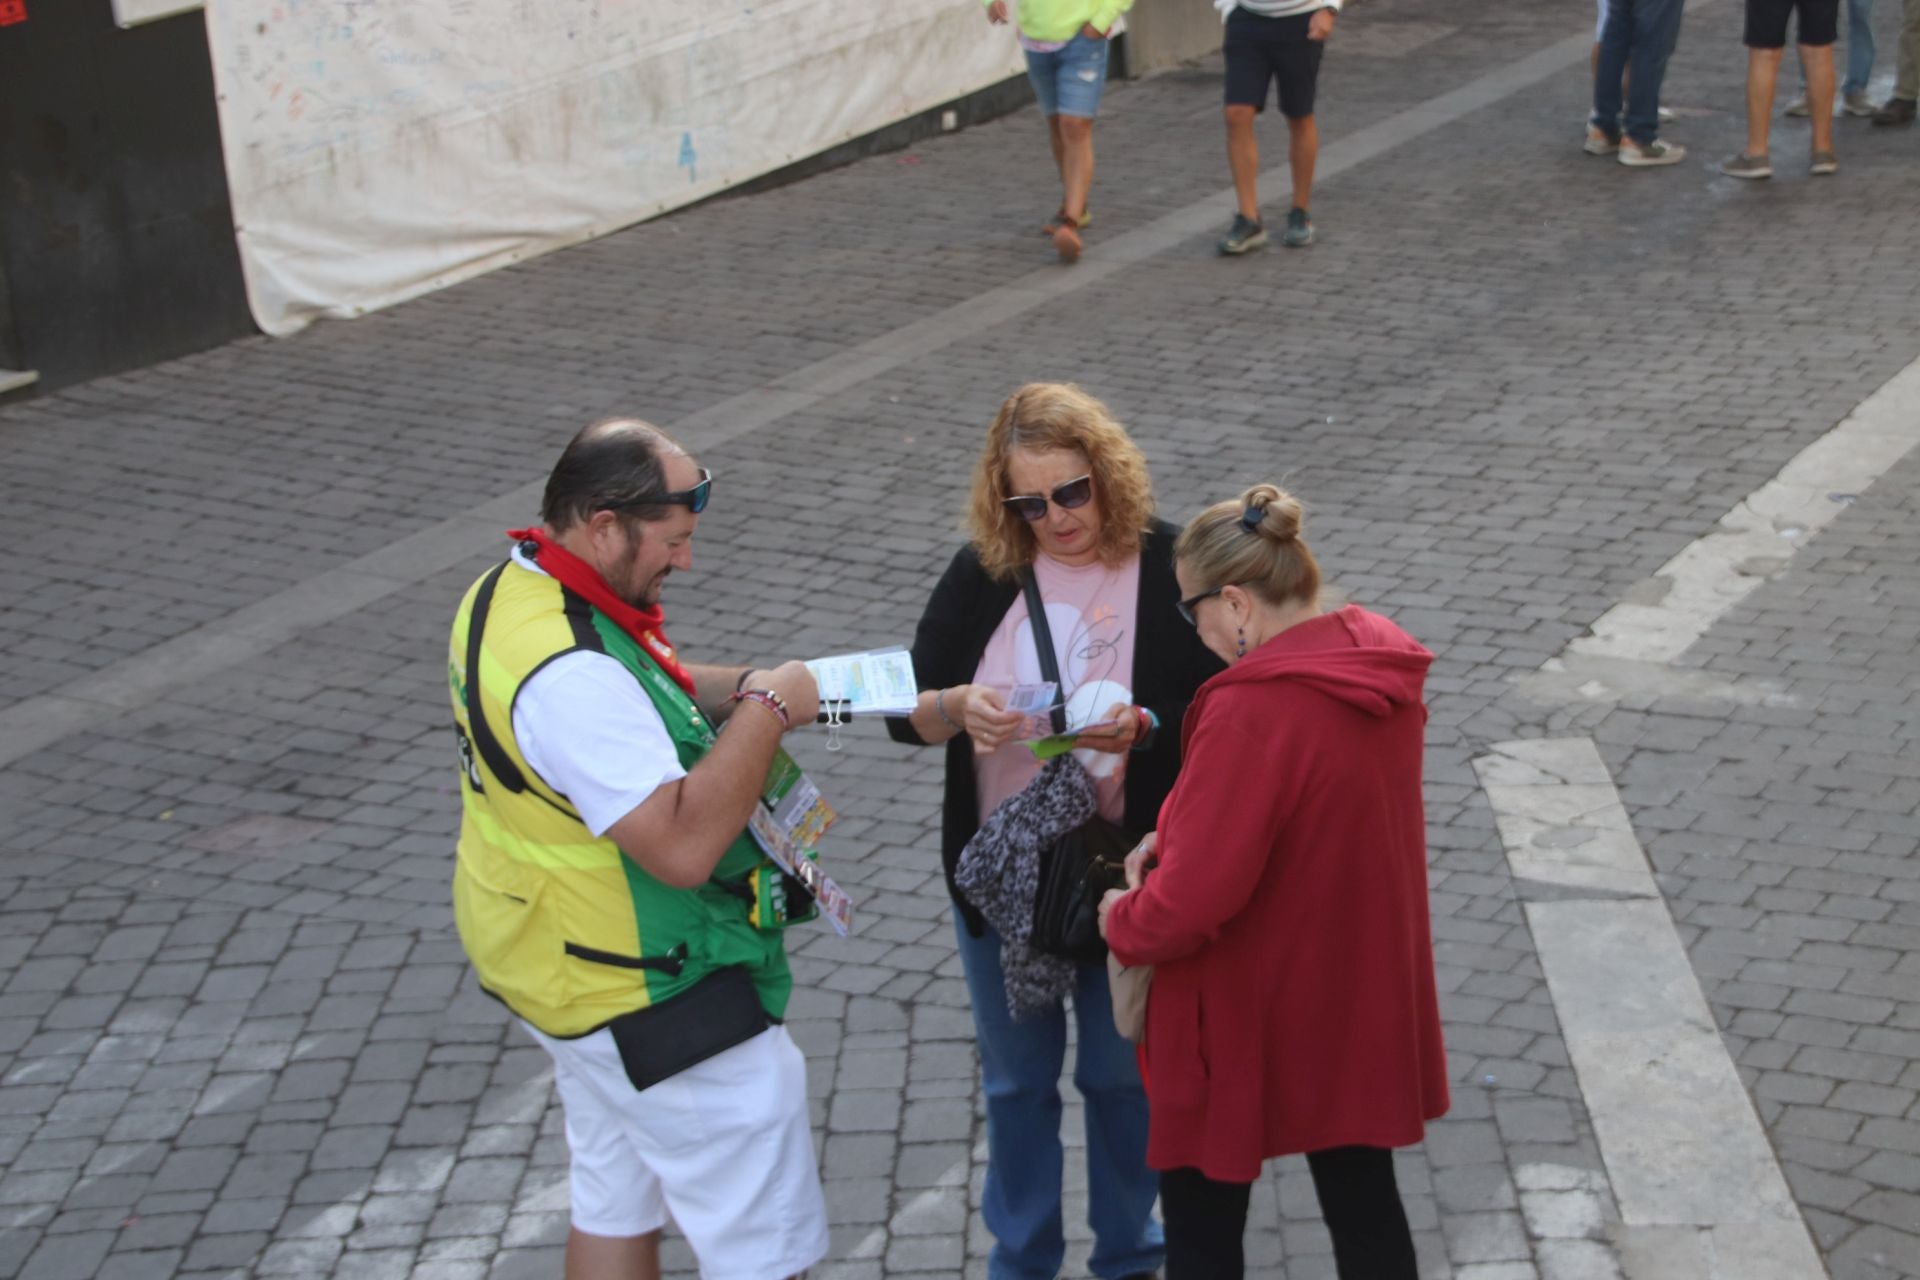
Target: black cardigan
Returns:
[1169, 663]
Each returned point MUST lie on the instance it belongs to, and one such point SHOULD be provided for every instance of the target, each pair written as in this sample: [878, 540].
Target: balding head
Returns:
[609, 463]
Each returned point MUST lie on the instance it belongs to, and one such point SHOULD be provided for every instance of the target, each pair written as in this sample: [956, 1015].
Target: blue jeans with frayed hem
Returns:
[1020, 1064]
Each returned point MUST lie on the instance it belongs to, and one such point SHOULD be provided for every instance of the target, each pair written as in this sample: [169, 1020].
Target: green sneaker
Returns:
[1299, 232]
[1246, 236]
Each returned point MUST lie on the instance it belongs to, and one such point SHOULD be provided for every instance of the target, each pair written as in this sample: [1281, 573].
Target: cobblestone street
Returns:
[238, 1036]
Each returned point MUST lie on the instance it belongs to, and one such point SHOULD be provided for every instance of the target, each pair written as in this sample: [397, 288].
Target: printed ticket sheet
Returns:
[879, 683]
[1031, 699]
[788, 822]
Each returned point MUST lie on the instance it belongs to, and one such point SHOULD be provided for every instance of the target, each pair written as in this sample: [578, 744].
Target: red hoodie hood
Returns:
[1358, 657]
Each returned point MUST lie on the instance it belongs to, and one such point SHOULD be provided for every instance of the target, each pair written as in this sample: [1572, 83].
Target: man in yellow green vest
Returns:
[606, 890]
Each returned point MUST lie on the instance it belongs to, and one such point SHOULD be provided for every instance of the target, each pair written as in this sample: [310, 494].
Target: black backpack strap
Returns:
[1043, 641]
[498, 762]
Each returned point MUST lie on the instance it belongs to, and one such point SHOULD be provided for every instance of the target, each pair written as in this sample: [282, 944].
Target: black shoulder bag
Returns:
[1078, 868]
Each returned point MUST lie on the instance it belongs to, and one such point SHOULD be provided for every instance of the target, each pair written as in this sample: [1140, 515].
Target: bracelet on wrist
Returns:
[770, 700]
[741, 683]
[1149, 727]
[940, 705]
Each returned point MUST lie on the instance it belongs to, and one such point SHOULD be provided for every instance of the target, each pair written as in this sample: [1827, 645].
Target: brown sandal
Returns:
[1060, 217]
[1066, 242]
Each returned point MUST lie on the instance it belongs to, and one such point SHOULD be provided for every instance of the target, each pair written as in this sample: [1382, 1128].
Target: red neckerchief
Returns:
[581, 578]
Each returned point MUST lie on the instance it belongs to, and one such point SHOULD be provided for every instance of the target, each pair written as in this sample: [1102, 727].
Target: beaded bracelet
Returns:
[766, 698]
[1149, 727]
[940, 705]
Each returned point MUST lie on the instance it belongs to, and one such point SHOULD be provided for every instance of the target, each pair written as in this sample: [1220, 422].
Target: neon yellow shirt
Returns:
[1058, 20]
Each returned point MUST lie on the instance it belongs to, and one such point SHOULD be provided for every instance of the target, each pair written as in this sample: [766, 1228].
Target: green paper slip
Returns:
[1060, 743]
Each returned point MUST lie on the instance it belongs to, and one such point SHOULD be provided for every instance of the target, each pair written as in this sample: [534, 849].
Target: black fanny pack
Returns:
[716, 1013]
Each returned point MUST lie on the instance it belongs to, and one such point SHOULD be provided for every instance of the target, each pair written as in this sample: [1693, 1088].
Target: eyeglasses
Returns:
[694, 499]
[1072, 494]
[1187, 606]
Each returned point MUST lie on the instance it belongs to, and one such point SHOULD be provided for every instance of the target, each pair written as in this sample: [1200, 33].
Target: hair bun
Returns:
[1271, 512]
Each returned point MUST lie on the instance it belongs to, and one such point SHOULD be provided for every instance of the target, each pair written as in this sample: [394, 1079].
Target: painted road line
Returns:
[1664, 615]
[97, 698]
[1699, 1190]
[1561, 819]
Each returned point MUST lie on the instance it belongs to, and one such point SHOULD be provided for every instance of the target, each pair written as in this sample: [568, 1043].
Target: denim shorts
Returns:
[1068, 80]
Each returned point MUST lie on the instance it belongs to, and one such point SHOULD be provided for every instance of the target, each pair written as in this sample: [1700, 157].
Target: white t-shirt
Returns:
[591, 732]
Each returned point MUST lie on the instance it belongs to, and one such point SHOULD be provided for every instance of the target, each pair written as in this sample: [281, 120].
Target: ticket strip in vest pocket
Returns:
[787, 823]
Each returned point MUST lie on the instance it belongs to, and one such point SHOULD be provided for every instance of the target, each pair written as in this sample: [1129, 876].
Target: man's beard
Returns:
[641, 593]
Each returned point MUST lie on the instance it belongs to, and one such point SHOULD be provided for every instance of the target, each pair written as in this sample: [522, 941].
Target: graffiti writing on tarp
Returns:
[377, 148]
[320, 73]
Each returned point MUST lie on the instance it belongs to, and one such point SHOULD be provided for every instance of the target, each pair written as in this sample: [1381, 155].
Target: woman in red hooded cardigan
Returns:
[1283, 903]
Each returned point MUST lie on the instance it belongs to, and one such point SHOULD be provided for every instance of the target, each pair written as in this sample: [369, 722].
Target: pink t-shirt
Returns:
[1091, 610]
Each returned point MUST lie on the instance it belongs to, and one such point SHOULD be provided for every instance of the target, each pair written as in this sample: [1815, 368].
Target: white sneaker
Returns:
[1797, 108]
[1598, 143]
[1665, 115]
[1657, 152]
[1858, 103]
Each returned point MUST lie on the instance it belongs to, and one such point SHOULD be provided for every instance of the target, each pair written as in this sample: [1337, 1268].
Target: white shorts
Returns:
[725, 1147]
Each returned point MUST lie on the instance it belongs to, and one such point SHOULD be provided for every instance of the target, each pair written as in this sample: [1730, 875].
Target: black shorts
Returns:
[1767, 22]
[1259, 50]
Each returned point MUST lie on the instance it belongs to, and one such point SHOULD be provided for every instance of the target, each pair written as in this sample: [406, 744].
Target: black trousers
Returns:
[1206, 1221]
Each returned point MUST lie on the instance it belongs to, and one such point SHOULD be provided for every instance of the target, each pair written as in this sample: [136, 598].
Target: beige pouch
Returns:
[1129, 993]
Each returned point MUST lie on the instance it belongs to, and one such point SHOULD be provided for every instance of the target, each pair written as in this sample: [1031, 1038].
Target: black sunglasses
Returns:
[694, 499]
[1187, 606]
[1074, 493]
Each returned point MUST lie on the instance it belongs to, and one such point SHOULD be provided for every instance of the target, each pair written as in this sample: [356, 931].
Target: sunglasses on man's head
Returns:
[694, 499]
[1032, 507]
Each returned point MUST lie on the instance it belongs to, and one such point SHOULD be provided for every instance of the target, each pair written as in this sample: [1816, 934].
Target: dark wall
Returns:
[116, 236]
[9, 349]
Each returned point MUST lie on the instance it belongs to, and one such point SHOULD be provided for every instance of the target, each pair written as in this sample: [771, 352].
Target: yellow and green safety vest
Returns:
[560, 925]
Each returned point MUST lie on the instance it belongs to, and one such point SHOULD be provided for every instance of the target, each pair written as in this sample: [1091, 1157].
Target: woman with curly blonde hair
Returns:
[1060, 497]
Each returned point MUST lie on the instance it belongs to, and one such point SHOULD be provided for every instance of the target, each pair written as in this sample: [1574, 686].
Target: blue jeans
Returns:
[1859, 45]
[1641, 33]
[1068, 81]
[1020, 1066]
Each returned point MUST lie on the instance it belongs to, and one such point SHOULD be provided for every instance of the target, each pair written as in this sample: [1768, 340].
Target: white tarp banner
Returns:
[379, 149]
[131, 13]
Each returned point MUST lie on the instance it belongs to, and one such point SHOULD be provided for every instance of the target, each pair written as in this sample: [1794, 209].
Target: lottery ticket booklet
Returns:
[787, 823]
[877, 683]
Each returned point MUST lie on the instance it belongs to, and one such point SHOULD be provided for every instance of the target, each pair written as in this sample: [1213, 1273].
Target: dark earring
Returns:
[1240, 645]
